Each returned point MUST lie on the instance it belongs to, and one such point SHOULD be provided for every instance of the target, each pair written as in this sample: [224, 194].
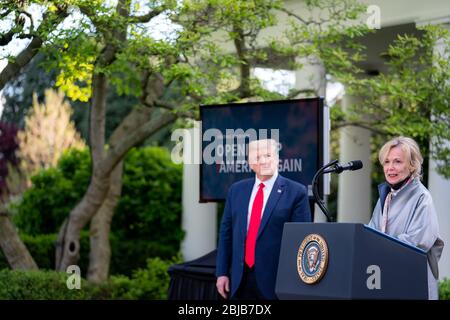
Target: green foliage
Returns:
[411, 98]
[224, 76]
[329, 36]
[136, 250]
[36, 77]
[79, 53]
[42, 249]
[151, 195]
[39, 285]
[444, 289]
[249, 16]
[147, 220]
[76, 63]
[195, 67]
[54, 193]
[150, 282]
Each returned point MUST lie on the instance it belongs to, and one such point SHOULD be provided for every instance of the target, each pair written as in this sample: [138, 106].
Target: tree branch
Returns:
[14, 67]
[97, 117]
[7, 37]
[99, 89]
[136, 118]
[295, 93]
[305, 22]
[147, 17]
[165, 105]
[116, 153]
[168, 106]
[6, 13]
[13, 248]
[29, 17]
[289, 13]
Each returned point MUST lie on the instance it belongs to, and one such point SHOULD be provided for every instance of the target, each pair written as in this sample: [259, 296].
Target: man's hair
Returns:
[273, 143]
[410, 149]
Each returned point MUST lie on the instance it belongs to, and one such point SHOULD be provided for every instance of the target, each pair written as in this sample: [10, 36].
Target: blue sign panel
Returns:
[227, 129]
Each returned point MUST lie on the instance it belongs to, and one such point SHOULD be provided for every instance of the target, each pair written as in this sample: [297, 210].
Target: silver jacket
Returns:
[412, 218]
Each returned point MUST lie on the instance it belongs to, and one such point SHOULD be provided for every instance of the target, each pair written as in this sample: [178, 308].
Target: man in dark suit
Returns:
[252, 226]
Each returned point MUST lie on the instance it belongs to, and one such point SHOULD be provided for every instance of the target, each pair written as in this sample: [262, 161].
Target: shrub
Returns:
[150, 206]
[444, 289]
[151, 282]
[54, 193]
[147, 220]
[39, 285]
[132, 254]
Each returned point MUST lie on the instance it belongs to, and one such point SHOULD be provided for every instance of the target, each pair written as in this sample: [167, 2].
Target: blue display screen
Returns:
[227, 129]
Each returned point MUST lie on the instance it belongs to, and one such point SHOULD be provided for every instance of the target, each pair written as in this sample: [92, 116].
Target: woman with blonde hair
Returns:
[405, 208]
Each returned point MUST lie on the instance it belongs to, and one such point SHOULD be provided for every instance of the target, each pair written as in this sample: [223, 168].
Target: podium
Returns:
[348, 261]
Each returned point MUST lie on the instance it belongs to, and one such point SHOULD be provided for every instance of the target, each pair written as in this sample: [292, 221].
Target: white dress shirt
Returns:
[268, 185]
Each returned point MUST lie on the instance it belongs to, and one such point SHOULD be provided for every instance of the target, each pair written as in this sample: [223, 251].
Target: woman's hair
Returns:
[411, 150]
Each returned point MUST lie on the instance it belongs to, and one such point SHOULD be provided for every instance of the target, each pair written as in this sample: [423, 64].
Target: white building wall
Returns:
[354, 190]
[199, 220]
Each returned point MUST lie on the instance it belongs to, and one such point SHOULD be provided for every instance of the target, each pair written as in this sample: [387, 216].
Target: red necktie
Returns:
[252, 233]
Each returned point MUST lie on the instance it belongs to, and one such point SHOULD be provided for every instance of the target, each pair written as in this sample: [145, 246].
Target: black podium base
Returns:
[194, 280]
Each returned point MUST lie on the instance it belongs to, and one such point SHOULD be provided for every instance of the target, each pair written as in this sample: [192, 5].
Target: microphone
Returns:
[339, 167]
[333, 166]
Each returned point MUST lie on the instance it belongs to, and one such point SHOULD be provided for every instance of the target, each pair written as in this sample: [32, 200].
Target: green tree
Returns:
[35, 78]
[112, 48]
[324, 34]
[412, 97]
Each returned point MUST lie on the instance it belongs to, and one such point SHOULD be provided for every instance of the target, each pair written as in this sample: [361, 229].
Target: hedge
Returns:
[147, 283]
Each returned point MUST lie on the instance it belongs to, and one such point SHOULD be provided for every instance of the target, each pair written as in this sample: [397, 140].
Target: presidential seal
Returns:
[312, 258]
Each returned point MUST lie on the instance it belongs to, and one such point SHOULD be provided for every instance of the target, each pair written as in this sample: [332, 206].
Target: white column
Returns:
[311, 78]
[439, 188]
[199, 220]
[354, 191]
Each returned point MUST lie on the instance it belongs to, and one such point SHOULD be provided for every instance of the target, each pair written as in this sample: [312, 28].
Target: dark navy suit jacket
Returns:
[288, 202]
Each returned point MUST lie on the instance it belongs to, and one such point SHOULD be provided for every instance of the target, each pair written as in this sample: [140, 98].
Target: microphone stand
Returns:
[315, 189]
